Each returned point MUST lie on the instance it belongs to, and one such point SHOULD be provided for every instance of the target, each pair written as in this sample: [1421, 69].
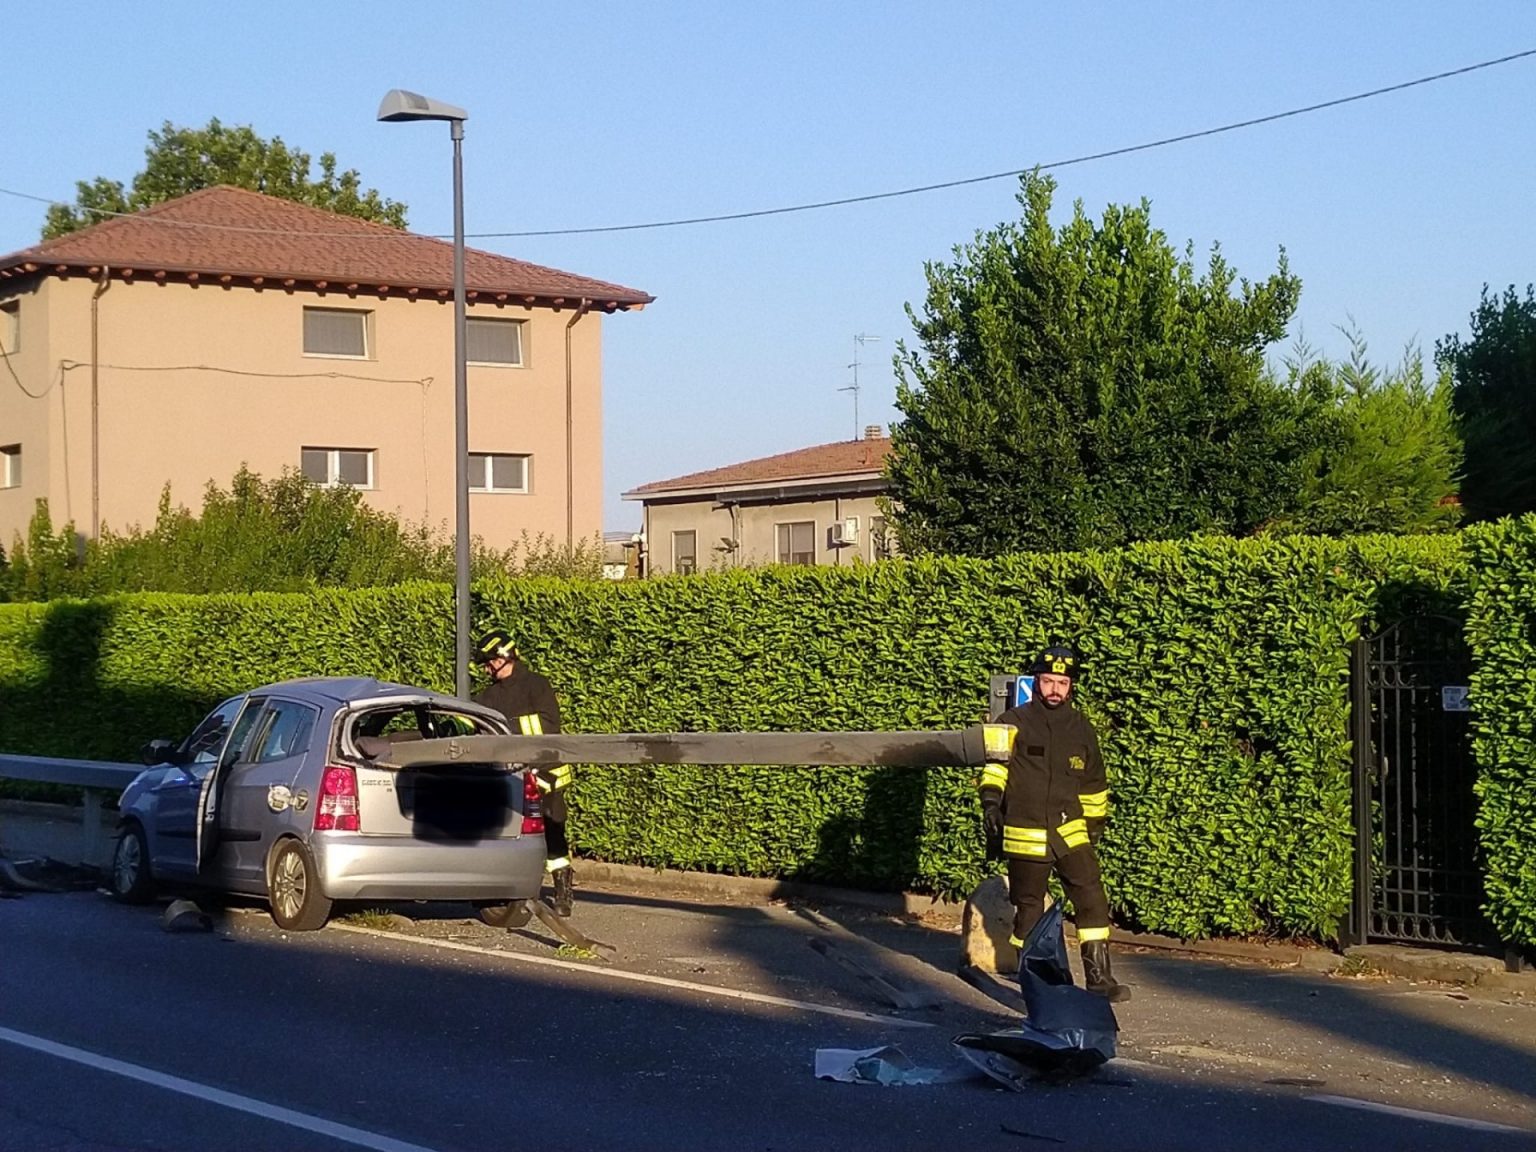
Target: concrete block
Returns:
[985, 928]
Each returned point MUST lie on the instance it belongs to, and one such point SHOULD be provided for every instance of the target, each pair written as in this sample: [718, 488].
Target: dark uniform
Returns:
[529, 703]
[1046, 807]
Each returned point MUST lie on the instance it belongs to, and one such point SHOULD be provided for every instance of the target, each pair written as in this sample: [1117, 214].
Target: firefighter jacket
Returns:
[1049, 779]
[528, 702]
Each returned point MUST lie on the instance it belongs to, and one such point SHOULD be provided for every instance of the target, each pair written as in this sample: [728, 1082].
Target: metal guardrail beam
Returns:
[96, 777]
[103, 774]
[886, 749]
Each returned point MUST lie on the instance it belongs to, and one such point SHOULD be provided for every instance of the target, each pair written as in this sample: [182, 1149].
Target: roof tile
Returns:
[233, 231]
[824, 461]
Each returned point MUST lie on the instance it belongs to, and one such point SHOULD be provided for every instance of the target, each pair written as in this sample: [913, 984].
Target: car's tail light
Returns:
[533, 806]
[338, 800]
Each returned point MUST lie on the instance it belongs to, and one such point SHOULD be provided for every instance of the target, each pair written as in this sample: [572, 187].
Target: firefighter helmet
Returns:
[1058, 660]
[494, 645]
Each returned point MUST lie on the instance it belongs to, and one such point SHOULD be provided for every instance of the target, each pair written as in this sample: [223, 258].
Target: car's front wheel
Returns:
[132, 882]
[293, 889]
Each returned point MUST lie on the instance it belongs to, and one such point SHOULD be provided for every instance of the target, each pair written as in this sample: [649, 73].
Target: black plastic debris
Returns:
[1068, 1031]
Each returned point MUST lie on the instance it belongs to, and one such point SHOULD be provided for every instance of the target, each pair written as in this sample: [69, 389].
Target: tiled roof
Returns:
[263, 239]
[844, 459]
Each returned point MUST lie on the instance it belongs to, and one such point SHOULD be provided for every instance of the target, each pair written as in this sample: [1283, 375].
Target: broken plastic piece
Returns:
[888, 1066]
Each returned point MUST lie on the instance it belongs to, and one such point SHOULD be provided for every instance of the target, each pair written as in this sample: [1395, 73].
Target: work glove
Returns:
[992, 828]
[1096, 831]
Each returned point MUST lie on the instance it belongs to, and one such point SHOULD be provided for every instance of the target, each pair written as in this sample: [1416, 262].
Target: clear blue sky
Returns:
[1394, 211]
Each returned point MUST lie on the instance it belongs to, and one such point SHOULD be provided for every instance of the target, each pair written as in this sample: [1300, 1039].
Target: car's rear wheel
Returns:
[513, 915]
[131, 880]
[293, 889]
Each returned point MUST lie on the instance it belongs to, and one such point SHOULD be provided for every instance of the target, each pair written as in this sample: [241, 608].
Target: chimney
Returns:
[873, 432]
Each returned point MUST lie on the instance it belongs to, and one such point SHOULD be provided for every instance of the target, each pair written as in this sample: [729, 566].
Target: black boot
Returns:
[1097, 974]
[562, 879]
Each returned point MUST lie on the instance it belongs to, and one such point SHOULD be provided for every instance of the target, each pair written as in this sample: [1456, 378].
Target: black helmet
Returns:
[494, 645]
[1058, 660]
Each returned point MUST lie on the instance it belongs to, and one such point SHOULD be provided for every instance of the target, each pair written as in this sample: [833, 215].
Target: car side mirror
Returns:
[157, 752]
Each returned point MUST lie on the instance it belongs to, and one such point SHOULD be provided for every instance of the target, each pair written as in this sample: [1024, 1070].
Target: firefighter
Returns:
[1044, 803]
[528, 702]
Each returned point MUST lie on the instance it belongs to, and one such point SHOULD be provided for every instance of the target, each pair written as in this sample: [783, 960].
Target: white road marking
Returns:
[1415, 1114]
[343, 1132]
[634, 977]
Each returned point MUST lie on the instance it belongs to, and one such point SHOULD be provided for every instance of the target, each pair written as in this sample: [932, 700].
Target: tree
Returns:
[1087, 387]
[181, 160]
[1395, 462]
[1493, 392]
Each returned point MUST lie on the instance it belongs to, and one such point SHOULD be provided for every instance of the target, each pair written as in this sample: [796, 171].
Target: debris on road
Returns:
[887, 1066]
[1068, 1031]
[186, 916]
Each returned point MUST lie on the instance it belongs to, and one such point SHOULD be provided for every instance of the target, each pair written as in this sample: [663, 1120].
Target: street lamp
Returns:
[401, 105]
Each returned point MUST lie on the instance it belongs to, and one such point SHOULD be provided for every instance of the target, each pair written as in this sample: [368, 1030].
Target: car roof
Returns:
[344, 689]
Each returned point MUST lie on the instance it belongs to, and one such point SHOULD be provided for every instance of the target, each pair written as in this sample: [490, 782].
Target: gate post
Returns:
[1357, 925]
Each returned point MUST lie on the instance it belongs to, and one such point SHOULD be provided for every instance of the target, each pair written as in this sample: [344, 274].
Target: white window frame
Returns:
[367, 318]
[484, 482]
[522, 345]
[10, 466]
[333, 467]
[694, 559]
[10, 327]
[780, 554]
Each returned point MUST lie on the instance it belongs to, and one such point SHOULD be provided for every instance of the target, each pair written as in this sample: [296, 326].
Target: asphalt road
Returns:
[440, 1034]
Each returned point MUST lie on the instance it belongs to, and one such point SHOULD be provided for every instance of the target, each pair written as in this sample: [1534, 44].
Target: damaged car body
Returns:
[279, 793]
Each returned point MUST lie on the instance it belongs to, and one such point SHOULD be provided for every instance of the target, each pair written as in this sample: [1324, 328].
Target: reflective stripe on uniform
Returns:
[554, 778]
[997, 740]
[994, 776]
[1016, 942]
[531, 725]
[1025, 841]
[1089, 935]
[556, 863]
[1094, 804]
[1074, 833]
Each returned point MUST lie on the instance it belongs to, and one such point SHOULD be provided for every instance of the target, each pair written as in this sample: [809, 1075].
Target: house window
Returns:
[494, 341]
[336, 332]
[337, 467]
[797, 542]
[685, 552]
[10, 466]
[10, 327]
[879, 539]
[498, 472]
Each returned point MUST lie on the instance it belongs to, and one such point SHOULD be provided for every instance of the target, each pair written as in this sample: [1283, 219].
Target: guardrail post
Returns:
[90, 822]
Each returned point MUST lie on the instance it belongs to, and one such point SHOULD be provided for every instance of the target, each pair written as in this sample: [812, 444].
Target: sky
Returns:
[1394, 211]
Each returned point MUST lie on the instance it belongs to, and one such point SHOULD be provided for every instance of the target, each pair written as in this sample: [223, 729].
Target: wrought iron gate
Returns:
[1417, 878]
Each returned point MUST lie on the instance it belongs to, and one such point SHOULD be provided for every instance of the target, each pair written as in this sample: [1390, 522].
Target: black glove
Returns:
[1096, 830]
[992, 828]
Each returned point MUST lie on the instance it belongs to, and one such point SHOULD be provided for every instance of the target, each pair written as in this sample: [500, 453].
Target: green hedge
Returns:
[1501, 627]
[1217, 669]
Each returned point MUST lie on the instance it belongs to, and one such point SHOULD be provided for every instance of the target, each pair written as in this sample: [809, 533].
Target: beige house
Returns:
[227, 328]
[813, 506]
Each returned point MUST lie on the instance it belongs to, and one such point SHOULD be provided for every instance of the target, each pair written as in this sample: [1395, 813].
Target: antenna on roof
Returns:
[858, 342]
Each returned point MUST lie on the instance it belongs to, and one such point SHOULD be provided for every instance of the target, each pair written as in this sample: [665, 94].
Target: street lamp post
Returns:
[400, 105]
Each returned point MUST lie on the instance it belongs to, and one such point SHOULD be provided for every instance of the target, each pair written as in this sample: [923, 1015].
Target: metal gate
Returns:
[1417, 878]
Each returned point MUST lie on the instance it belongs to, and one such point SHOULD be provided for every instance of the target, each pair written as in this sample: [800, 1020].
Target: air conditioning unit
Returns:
[842, 533]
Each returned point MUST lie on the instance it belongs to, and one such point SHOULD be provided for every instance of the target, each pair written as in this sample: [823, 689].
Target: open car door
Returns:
[210, 796]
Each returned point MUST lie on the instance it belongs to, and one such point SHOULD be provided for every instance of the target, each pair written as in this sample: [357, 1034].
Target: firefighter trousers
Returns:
[557, 847]
[1079, 872]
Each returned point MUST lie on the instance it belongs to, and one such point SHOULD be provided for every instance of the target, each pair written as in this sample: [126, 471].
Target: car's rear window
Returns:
[398, 723]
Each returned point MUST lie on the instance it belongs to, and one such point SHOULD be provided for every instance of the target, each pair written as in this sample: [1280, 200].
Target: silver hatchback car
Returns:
[277, 793]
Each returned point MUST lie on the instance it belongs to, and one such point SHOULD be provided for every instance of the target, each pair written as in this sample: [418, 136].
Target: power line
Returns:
[758, 213]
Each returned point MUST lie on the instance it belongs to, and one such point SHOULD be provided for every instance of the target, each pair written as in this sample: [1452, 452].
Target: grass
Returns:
[370, 918]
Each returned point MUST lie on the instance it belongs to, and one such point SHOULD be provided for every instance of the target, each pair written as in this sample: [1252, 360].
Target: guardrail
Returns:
[99, 778]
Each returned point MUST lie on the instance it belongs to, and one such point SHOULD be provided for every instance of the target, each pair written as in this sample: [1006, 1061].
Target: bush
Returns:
[1217, 671]
[1502, 629]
